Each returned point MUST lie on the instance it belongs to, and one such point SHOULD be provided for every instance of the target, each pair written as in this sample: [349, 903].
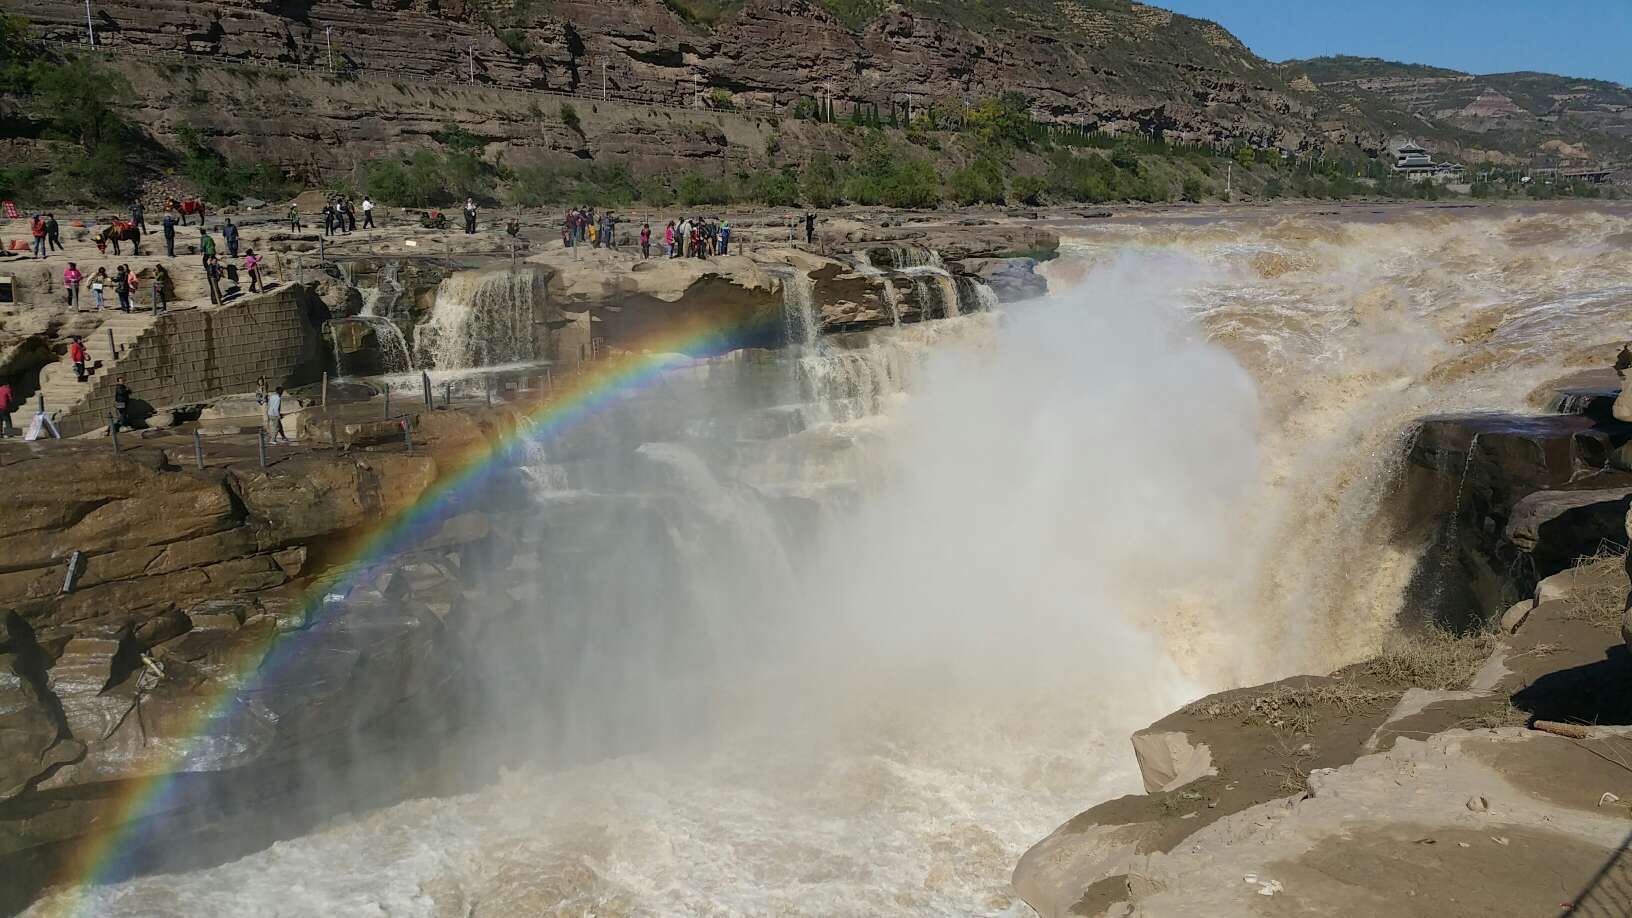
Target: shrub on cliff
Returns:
[819, 182]
[980, 182]
[223, 180]
[1029, 189]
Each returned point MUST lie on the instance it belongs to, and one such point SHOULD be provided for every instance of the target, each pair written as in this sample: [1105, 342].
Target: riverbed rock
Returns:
[1169, 760]
[34, 741]
[1011, 279]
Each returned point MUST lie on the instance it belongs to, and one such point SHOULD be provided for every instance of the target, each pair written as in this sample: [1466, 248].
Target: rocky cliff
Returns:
[327, 83]
[1450, 772]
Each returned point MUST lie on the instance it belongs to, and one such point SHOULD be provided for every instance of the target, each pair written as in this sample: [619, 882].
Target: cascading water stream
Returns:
[482, 319]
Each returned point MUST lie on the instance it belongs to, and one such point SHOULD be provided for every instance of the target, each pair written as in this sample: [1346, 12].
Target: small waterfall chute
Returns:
[368, 346]
[482, 319]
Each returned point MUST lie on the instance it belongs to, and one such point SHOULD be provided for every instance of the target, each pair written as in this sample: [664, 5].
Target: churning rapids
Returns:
[885, 614]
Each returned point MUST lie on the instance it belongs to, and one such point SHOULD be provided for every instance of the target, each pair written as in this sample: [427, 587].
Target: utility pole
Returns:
[90, 25]
[328, 45]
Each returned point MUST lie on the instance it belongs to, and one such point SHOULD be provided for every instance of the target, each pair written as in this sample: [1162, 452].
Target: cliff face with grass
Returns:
[317, 89]
[660, 101]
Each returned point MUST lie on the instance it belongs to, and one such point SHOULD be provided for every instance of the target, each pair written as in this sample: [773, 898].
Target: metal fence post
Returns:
[260, 445]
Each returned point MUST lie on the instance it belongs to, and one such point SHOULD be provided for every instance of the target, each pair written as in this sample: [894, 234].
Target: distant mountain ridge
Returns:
[1568, 119]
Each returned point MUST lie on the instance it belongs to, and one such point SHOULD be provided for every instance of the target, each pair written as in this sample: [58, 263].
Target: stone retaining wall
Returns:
[193, 355]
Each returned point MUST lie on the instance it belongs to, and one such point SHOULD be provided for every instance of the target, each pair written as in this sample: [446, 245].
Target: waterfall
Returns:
[937, 291]
[888, 295]
[382, 299]
[482, 319]
[349, 337]
[799, 306]
[973, 295]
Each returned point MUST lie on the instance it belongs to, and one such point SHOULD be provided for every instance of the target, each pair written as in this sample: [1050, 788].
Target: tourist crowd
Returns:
[690, 237]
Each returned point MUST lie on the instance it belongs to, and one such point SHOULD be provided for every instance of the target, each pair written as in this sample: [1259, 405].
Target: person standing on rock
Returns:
[328, 218]
[368, 213]
[71, 277]
[810, 228]
[138, 215]
[77, 356]
[53, 232]
[160, 279]
[609, 230]
[668, 240]
[169, 226]
[206, 245]
[470, 216]
[121, 405]
[121, 286]
[252, 267]
[229, 233]
[36, 227]
[274, 416]
[725, 236]
[294, 216]
[212, 275]
[645, 240]
[5, 408]
[99, 283]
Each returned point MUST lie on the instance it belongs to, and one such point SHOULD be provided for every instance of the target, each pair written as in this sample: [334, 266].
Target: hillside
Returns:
[730, 96]
[1551, 118]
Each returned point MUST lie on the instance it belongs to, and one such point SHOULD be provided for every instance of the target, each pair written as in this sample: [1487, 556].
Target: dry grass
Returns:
[1295, 709]
[1493, 713]
[1432, 659]
[1601, 587]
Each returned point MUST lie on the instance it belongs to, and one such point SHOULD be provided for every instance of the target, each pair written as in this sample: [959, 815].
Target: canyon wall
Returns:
[327, 83]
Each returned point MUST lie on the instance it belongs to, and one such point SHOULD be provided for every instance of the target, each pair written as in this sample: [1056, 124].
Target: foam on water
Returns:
[1058, 522]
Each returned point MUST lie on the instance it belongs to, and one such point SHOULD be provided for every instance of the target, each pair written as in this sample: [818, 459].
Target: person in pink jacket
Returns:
[252, 267]
[668, 239]
[70, 283]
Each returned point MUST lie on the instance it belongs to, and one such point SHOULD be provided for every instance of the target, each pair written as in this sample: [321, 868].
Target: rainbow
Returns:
[103, 857]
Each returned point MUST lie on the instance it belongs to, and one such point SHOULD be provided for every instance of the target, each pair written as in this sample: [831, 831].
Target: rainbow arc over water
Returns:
[105, 856]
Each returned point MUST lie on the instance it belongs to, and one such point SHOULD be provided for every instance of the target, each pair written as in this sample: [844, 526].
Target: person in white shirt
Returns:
[368, 213]
[274, 416]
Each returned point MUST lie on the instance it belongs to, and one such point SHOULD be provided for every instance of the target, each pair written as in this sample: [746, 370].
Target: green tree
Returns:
[981, 182]
[1029, 189]
[819, 182]
[569, 117]
[78, 100]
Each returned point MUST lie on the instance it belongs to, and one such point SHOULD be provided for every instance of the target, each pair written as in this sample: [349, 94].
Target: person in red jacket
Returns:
[5, 408]
[76, 353]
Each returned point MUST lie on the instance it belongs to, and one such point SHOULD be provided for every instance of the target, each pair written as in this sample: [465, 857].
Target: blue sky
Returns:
[1585, 38]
